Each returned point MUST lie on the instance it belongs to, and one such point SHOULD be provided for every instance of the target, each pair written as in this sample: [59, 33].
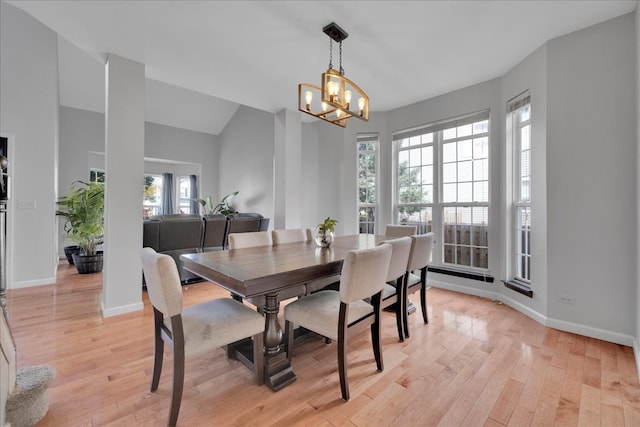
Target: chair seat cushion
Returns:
[388, 291]
[414, 279]
[216, 323]
[319, 312]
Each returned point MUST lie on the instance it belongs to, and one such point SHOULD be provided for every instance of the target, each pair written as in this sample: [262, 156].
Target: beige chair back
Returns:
[163, 282]
[399, 257]
[289, 235]
[400, 230]
[420, 251]
[250, 239]
[364, 272]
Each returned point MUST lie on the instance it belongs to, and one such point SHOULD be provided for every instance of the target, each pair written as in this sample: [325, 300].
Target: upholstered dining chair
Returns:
[393, 291]
[262, 238]
[192, 330]
[250, 239]
[418, 263]
[339, 315]
[400, 230]
[281, 237]
[288, 235]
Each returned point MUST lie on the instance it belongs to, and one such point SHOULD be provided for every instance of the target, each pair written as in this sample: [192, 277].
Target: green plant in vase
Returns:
[324, 232]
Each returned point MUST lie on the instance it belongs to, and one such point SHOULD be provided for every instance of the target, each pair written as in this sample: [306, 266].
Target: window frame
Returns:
[437, 206]
[519, 203]
[368, 138]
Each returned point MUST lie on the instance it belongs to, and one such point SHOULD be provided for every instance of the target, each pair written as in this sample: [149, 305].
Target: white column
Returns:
[124, 165]
[287, 170]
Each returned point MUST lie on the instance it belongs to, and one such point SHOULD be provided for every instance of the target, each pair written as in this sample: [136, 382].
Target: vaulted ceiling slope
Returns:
[255, 53]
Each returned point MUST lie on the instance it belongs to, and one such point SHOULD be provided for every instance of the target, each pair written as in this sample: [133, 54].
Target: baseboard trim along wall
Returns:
[124, 309]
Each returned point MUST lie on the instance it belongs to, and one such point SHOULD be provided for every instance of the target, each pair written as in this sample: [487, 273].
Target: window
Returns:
[152, 200]
[184, 194]
[96, 175]
[442, 185]
[367, 181]
[519, 122]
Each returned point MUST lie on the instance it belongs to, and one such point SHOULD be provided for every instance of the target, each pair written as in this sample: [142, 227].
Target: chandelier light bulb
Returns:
[324, 106]
[308, 96]
[338, 113]
[347, 98]
[361, 103]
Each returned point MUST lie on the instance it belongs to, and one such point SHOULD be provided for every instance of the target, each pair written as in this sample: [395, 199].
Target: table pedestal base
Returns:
[277, 371]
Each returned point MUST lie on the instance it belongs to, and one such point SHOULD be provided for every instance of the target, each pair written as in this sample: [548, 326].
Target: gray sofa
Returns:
[179, 234]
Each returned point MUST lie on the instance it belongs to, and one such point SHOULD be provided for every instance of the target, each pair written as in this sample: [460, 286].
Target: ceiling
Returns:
[254, 53]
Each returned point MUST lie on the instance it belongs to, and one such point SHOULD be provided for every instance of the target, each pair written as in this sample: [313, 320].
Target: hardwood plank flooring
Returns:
[477, 363]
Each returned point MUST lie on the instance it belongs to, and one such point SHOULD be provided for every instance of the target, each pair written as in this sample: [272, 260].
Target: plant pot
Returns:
[69, 251]
[87, 264]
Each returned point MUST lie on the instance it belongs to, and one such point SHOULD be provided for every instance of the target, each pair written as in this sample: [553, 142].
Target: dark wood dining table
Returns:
[266, 271]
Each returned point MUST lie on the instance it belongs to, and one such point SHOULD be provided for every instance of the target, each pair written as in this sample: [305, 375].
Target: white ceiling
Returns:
[256, 52]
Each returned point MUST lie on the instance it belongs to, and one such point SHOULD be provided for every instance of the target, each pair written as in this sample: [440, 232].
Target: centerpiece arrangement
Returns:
[323, 234]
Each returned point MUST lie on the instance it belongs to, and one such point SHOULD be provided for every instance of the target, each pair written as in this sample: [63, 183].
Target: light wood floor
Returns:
[477, 362]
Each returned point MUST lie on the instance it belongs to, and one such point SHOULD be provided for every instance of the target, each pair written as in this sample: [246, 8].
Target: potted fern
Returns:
[83, 211]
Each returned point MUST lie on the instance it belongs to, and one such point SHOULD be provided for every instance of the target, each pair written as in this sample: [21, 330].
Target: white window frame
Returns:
[515, 108]
[436, 205]
[369, 138]
[179, 207]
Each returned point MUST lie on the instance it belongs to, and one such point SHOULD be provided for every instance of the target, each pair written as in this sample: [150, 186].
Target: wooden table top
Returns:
[268, 269]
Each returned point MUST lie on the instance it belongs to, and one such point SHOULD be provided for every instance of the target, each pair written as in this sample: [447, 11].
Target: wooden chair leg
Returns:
[405, 311]
[342, 350]
[376, 341]
[342, 368]
[258, 357]
[288, 340]
[399, 316]
[423, 295]
[158, 350]
[178, 370]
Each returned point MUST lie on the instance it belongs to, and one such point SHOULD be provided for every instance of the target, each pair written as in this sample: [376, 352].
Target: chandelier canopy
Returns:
[338, 98]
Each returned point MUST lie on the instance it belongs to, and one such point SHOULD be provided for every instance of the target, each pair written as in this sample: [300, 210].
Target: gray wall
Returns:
[591, 177]
[29, 117]
[637, 300]
[246, 161]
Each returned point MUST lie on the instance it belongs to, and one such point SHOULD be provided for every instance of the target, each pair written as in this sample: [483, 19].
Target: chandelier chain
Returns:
[341, 69]
[330, 53]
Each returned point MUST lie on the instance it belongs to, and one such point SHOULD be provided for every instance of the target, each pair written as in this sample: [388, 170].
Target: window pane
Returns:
[480, 148]
[415, 140]
[481, 127]
[465, 192]
[480, 191]
[449, 133]
[449, 193]
[403, 157]
[449, 152]
[427, 174]
[481, 170]
[465, 130]
[427, 193]
[367, 220]
[449, 172]
[465, 150]
[525, 137]
[427, 155]
[465, 171]
[414, 157]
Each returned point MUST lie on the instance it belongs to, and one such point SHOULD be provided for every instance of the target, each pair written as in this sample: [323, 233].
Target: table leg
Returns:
[277, 369]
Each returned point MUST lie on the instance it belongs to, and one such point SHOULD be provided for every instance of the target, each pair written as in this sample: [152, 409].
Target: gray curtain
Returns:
[194, 206]
[167, 193]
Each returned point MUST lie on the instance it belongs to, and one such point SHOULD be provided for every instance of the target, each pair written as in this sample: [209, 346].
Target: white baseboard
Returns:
[30, 283]
[123, 309]
[562, 325]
